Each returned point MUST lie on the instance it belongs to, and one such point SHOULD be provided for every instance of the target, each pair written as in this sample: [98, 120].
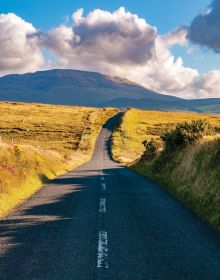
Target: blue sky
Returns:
[161, 13]
[117, 41]
[165, 15]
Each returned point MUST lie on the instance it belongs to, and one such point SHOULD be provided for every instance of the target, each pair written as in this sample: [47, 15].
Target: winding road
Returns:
[104, 221]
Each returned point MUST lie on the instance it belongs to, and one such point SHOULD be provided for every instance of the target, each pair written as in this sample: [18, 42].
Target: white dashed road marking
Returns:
[103, 186]
[102, 261]
[102, 205]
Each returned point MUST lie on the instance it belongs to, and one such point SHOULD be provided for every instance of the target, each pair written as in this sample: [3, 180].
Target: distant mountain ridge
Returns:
[83, 88]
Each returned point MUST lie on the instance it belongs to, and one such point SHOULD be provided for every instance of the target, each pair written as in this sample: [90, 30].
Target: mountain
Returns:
[74, 87]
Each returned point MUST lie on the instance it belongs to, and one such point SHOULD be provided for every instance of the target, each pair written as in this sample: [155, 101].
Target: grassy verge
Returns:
[40, 142]
[137, 126]
[191, 174]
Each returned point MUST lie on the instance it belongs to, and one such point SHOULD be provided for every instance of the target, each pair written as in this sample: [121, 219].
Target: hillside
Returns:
[72, 87]
[39, 142]
[139, 125]
[81, 88]
[190, 172]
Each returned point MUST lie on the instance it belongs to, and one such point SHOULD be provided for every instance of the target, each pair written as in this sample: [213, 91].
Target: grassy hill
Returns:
[73, 87]
[83, 88]
[190, 173]
[139, 125]
[39, 142]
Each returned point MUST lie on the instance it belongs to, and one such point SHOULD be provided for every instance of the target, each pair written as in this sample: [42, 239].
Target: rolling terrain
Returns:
[39, 142]
[138, 125]
[81, 88]
[190, 172]
[104, 221]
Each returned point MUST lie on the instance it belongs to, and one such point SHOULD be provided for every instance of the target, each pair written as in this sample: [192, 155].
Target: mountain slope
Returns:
[74, 87]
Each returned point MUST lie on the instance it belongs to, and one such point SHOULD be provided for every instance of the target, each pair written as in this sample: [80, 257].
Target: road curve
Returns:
[103, 221]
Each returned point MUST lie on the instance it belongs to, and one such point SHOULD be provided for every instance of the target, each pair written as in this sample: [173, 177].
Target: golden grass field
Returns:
[139, 125]
[191, 174]
[39, 142]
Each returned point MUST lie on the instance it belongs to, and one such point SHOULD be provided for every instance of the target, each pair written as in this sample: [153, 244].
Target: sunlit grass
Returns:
[139, 125]
[191, 173]
[56, 127]
[39, 142]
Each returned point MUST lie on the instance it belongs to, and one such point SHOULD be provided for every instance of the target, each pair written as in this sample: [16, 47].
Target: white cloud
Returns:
[207, 85]
[167, 73]
[116, 43]
[18, 52]
[177, 36]
[121, 43]
[103, 38]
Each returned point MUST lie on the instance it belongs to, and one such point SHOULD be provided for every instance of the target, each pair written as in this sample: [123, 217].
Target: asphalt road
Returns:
[103, 221]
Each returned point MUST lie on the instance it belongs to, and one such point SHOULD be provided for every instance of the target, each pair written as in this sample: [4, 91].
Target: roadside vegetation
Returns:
[39, 142]
[180, 151]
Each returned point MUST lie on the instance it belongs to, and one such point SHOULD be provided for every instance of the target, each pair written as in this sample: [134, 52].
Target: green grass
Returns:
[39, 142]
[191, 173]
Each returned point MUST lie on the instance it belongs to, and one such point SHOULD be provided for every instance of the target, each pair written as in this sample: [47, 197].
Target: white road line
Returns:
[102, 205]
[102, 261]
[102, 179]
[103, 186]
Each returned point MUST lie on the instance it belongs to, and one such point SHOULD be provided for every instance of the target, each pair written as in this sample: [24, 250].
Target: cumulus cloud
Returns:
[120, 43]
[205, 28]
[104, 38]
[207, 85]
[167, 73]
[17, 52]
[177, 36]
[117, 43]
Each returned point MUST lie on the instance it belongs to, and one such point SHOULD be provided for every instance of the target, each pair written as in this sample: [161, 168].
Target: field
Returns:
[139, 125]
[190, 173]
[39, 142]
[59, 128]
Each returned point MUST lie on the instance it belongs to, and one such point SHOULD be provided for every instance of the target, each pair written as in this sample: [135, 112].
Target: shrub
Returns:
[18, 151]
[185, 134]
[151, 150]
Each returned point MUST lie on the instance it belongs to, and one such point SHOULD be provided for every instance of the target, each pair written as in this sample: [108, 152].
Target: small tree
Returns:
[185, 134]
[151, 149]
